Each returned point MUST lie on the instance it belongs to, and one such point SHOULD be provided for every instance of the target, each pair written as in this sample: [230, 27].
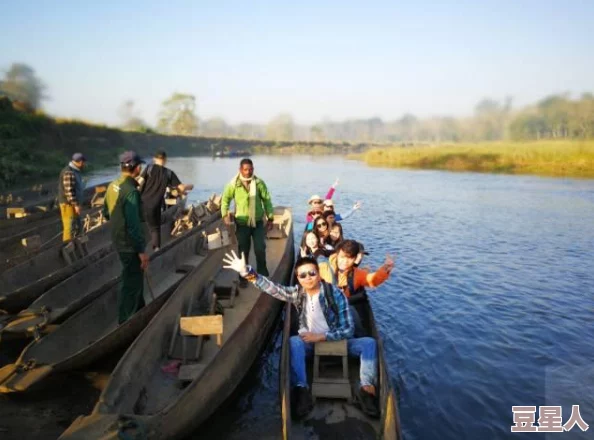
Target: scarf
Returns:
[73, 165]
[252, 198]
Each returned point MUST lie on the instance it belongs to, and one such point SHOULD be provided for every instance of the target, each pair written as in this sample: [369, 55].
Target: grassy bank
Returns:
[34, 147]
[547, 158]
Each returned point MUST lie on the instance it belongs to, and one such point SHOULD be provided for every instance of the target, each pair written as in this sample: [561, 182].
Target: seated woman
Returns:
[335, 233]
[329, 210]
[323, 233]
[311, 247]
[324, 315]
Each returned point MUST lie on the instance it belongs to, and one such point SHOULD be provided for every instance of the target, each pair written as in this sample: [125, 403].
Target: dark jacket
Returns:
[70, 186]
[123, 208]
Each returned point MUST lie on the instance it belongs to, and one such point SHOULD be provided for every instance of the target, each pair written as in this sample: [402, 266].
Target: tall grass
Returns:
[549, 158]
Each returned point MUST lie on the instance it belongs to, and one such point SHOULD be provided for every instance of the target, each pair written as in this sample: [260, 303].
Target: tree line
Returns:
[554, 117]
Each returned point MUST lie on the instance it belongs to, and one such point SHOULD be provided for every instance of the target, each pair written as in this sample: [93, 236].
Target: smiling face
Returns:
[311, 240]
[331, 219]
[335, 232]
[321, 226]
[344, 261]
[308, 276]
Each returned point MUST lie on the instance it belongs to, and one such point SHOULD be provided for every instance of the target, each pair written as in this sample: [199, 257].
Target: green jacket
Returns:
[235, 190]
[123, 208]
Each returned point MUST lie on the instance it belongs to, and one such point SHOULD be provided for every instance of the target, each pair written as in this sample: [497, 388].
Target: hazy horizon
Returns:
[250, 62]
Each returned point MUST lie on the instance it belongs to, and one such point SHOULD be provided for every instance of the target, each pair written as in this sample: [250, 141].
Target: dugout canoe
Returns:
[48, 233]
[24, 283]
[69, 296]
[338, 417]
[93, 332]
[332, 417]
[40, 210]
[167, 405]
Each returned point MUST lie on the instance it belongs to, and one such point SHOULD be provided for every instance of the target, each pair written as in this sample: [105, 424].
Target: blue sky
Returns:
[250, 60]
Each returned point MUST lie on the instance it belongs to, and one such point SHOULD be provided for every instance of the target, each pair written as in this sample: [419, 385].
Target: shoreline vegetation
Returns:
[553, 158]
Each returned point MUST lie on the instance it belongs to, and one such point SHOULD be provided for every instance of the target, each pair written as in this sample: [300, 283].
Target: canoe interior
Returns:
[22, 284]
[171, 406]
[94, 331]
[337, 418]
[151, 390]
[78, 290]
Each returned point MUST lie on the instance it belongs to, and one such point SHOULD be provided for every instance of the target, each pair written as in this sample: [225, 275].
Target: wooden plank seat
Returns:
[332, 387]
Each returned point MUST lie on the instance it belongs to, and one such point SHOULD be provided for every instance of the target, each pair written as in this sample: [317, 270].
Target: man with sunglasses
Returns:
[324, 315]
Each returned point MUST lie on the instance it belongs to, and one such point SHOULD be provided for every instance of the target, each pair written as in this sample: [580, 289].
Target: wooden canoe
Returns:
[173, 404]
[94, 332]
[49, 233]
[24, 283]
[40, 210]
[69, 296]
[338, 418]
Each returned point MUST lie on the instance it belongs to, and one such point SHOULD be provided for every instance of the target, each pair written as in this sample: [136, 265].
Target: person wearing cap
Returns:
[329, 210]
[253, 203]
[315, 203]
[154, 181]
[123, 207]
[70, 196]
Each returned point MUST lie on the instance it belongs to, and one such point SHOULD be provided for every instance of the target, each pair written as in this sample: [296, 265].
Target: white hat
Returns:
[328, 202]
[314, 197]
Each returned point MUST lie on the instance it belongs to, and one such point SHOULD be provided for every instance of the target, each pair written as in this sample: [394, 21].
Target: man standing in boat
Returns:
[253, 203]
[324, 315]
[154, 181]
[70, 196]
[123, 207]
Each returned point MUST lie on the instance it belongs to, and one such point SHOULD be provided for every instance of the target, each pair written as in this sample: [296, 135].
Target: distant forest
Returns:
[554, 117]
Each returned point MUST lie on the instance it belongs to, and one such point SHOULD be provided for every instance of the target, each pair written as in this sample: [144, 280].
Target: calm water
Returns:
[491, 305]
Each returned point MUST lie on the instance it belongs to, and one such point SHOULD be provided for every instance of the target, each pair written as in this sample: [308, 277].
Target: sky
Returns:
[247, 61]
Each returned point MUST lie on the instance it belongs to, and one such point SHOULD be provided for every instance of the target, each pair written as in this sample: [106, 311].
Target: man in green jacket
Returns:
[253, 203]
[123, 208]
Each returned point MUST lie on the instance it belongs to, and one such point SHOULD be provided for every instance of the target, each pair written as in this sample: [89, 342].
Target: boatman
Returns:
[70, 196]
[154, 181]
[123, 207]
[253, 206]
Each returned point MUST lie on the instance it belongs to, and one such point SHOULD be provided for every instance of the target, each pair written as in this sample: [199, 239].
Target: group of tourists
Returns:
[328, 279]
[327, 268]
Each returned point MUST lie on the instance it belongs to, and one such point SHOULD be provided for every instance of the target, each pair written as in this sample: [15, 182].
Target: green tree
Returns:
[22, 85]
[178, 115]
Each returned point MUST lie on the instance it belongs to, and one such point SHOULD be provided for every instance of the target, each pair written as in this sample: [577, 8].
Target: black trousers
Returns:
[152, 215]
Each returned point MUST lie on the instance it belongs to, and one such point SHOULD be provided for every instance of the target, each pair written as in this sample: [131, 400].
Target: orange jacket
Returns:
[361, 278]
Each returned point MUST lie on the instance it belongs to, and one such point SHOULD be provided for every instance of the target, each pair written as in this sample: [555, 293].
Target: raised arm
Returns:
[330, 192]
[283, 293]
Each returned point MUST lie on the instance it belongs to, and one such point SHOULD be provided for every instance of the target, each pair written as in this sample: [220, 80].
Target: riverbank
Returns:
[547, 158]
[34, 147]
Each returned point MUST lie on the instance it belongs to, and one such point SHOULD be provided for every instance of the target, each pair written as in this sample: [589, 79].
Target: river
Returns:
[491, 304]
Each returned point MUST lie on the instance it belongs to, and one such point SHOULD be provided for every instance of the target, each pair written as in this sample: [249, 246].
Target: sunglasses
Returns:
[303, 275]
[319, 225]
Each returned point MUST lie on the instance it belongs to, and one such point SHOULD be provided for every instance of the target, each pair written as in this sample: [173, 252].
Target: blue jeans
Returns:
[364, 348]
